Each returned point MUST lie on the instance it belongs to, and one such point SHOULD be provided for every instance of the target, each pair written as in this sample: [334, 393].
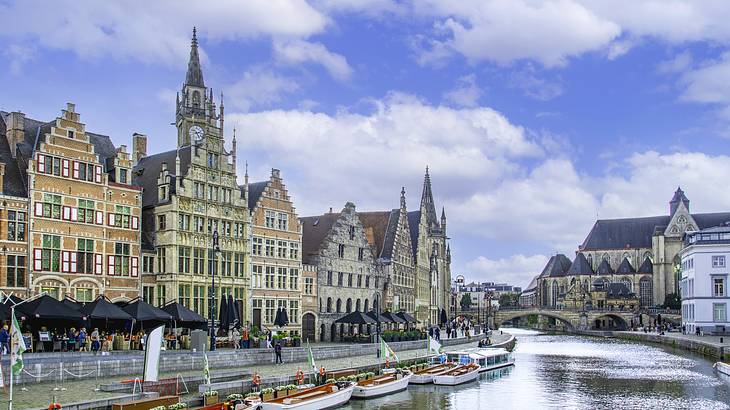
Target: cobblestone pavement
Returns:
[40, 395]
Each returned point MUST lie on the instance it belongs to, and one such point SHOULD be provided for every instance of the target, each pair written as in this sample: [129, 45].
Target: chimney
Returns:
[15, 131]
[139, 147]
[2, 176]
[330, 209]
[163, 167]
[275, 173]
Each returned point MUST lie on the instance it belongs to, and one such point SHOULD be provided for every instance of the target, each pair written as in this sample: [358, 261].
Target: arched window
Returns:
[196, 99]
[646, 295]
[628, 284]
[339, 306]
[320, 305]
[590, 260]
[329, 305]
[648, 255]
[348, 306]
[366, 306]
[554, 299]
[544, 294]
[357, 305]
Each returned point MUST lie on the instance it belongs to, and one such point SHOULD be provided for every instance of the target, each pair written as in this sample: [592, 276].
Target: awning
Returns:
[356, 318]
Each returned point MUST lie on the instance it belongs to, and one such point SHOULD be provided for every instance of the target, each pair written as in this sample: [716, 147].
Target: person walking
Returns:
[245, 338]
[437, 333]
[4, 340]
[268, 339]
[95, 345]
[82, 339]
[236, 338]
[277, 350]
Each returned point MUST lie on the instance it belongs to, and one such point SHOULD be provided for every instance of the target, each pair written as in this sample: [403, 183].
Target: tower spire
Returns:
[234, 148]
[194, 76]
[428, 209]
[403, 198]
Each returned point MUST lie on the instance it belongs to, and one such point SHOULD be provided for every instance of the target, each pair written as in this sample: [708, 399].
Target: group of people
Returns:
[455, 325]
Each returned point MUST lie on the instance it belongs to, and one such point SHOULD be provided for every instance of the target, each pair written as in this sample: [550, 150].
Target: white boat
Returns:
[327, 396]
[487, 359]
[382, 385]
[425, 376]
[458, 375]
[723, 368]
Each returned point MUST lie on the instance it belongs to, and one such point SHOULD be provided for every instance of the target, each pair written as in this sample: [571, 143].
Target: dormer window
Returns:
[123, 175]
[70, 134]
[163, 193]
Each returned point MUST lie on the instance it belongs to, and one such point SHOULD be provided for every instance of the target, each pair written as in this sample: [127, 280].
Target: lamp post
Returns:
[377, 321]
[489, 308]
[212, 301]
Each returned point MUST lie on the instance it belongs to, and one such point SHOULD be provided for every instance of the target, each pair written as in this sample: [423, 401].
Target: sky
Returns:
[535, 117]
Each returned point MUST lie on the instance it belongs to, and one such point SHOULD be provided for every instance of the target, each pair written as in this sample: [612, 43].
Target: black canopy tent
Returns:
[223, 315]
[395, 319]
[284, 317]
[184, 317]
[408, 318]
[102, 313]
[146, 314]
[278, 318]
[356, 318]
[233, 320]
[46, 308]
[379, 317]
[72, 303]
[443, 317]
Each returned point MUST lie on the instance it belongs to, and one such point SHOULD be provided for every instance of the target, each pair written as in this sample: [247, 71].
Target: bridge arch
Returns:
[506, 316]
[609, 321]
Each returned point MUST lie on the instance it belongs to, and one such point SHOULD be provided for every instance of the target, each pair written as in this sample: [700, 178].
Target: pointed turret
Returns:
[428, 210]
[403, 198]
[234, 146]
[443, 220]
[221, 112]
[676, 199]
[194, 76]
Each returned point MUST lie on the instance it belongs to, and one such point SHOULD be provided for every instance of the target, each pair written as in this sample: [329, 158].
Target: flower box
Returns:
[212, 399]
[267, 396]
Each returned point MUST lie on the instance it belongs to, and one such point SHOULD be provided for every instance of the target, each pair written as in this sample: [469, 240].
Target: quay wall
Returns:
[711, 350]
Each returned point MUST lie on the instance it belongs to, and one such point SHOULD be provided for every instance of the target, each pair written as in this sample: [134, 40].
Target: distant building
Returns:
[482, 293]
[705, 279]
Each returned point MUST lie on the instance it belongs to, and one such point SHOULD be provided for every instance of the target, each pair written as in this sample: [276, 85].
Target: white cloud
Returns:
[18, 56]
[535, 86]
[157, 31]
[680, 63]
[259, 87]
[296, 52]
[517, 270]
[709, 83]
[466, 93]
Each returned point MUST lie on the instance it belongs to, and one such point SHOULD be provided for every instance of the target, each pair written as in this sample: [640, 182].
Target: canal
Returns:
[565, 371]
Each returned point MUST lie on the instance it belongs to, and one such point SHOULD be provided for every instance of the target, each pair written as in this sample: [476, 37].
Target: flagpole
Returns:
[12, 318]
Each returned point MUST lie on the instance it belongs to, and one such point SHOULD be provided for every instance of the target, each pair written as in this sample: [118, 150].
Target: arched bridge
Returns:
[572, 319]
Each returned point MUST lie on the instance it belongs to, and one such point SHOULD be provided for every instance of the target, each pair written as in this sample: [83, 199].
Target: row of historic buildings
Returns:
[82, 218]
[622, 263]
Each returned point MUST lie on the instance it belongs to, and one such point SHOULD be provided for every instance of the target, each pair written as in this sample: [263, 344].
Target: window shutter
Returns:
[135, 222]
[37, 260]
[99, 217]
[66, 213]
[64, 167]
[111, 265]
[98, 264]
[74, 265]
[65, 261]
[97, 174]
[41, 163]
[135, 270]
[38, 209]
[111, 219]
[74, 214]
[76, 170]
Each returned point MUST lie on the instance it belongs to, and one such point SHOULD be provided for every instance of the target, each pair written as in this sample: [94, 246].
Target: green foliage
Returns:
[465, 301]
[267, 390]
[210, 393]
[509, 299]
[330, 381]
[238, 396]
[177, 406]
[673, 301]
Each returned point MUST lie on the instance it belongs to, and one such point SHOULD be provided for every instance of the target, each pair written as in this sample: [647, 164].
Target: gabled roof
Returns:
[605, 268]
[580, 266]
[414, 222]
[647, 266]
[314, 231]
[148, 170]
[558, 265]
[380, 229]
[255, 190]
[625, 267]
[532, 286]
[618, 290]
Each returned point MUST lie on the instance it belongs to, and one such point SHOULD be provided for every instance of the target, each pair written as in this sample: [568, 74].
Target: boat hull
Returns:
[330, 401]
[723, 368]
[371, 392]
[496, 366]
[449, 380]
[426, 378]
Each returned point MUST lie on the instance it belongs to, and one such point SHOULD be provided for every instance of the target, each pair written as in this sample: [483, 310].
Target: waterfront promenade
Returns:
[706, 345]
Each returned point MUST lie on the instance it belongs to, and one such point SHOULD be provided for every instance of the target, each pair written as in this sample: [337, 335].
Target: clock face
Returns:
[196, 133]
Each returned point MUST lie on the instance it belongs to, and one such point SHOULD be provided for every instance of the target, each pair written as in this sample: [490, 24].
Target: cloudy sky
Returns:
[535, 117]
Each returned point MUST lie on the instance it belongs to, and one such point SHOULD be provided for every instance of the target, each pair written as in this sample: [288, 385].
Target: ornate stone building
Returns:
[348, 278]
[276, 258]
[389, 236]
[83, 214]
[640, 253]
[190, 194]
[310, 307]
[433, 259]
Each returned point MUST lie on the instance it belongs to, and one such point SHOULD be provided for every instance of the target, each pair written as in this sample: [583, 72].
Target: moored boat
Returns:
[327, 396]
[723, 368]
[458, 375]
[486, 359]
[382, 385]
[425, 376]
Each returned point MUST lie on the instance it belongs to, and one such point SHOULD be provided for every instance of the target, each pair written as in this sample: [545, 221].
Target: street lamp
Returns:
[377, 321]
[212, 301]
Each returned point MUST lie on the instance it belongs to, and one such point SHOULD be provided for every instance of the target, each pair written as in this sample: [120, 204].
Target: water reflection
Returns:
[560, 371]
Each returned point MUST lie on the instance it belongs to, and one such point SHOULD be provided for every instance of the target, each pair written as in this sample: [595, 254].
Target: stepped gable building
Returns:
[642, 254]
[390, 239]
[433, 258]
[190, 194]
[70, 214]
[276, 258]
[348, 276]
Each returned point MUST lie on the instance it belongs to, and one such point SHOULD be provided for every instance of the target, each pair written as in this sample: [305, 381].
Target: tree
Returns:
[465, 301]
[508, 299]
[673, 301]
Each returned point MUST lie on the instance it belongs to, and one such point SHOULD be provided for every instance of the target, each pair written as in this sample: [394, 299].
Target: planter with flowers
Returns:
[281, 391]
[210, 397]
[177, 406]
[267, 394]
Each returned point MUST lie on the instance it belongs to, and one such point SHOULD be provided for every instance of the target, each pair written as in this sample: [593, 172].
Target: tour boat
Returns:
[486, 359]
[458, 375]
[327, 396]
[723, 368]
[425, 376]
[382, 385]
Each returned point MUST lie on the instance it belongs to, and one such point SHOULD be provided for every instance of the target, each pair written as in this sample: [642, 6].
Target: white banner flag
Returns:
[152, 354]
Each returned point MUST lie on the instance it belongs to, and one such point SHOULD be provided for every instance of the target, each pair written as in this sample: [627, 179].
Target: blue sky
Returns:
[535, 117]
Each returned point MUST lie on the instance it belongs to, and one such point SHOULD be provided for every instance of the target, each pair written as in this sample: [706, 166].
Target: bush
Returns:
[267, 390]
[280, 388]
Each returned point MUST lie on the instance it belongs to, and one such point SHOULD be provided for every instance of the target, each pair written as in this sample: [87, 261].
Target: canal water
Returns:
[576, 372]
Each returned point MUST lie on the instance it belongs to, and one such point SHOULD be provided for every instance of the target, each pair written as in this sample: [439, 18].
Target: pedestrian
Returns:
[82, 339]
[268, 339]
[236, 338]
[448, 331]
[277, 350]
[437, 331]
[245, 338]
[95, 345]
[4, 340]
[430, 332]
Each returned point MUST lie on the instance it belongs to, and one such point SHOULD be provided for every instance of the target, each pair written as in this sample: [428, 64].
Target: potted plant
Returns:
[177, 406]
[362, 376]
[267, 394]
[291, 389]
[352, 378]
[159, 408]
[370, 375]
[280, 391]
[210, 397]
[330, 381]
[238, 396]
[296, 341]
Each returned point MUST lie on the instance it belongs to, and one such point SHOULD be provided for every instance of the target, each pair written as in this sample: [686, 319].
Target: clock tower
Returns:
[196, 116]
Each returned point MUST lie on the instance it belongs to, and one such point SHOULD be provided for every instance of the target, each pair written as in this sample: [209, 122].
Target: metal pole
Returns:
[377, 318]
[212, 292]
[12, 318]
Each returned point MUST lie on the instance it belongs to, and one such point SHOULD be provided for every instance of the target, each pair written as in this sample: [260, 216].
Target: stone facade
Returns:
[310, 306]
[14, 242]
[348, 276]
[276, 254]
[190, 195]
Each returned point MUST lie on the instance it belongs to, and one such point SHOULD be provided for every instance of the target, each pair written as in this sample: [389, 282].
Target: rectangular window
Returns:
[16, 225]
[184, 222]
[161, 260]
[269, 219]
[199, 190]
[270, 273]
[16, 271]
[148, 266]
[86, 211]
[123, 176]
[281, 249]
[258, 273]
[122, 217]
[360, 254]
[294, 250]
[257, 246]
[198, 223]
[84, 256]
[199, 299]
[121, 259]
[293, 311]
[718, 261]
[51, 259]
[270, 311]
[281, 278]
[183, 295]
[269, 250]
[341, 251]
[238, 265]
[161, 295]
[148, 294]
[161, 222]
[340, 277]
[719, 312]
[213, 160]
[329, 278]
[283, 221]
[184, 261]
[718, 286]
[351, 231]
[199, 261]
[349, 280]
[51, 206]
[359, 281]
[309, 286]
[84, 295]
[293, 279]
[226, 263]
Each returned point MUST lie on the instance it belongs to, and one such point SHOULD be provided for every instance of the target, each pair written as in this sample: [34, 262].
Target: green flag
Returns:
[310, 358]
[17, 349]
[386, 351]
[206, 369]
